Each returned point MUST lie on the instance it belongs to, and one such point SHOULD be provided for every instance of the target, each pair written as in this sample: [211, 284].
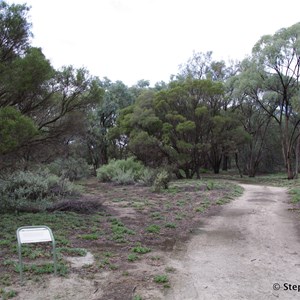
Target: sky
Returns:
[130, 40]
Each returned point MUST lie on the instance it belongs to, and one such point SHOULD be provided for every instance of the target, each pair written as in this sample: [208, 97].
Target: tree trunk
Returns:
[225, 162]
[216, 169]
[297, 157]
[237, 164]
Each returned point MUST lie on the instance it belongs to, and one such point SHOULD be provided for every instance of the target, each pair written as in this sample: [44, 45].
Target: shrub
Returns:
[130, 171]
[124, 171]
[161, 278]
[147, 177]
[33, 191]
[71, 168]
[106, 172]
[141, 250]
[161, 181]
[154, 228]
[124, 177]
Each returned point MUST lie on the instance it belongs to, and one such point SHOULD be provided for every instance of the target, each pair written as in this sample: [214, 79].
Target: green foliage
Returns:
[125, 177]
[33, 190]
[5, 294]
[14, 30]
[170, 225]
[89, 236]
[147, 176]
[276, 62]
[161, 181]
[28, 73]
[46, 268]
[140, 250]
[119, 231]
[185, 126]
[156, 216]
[72, 251]
[161, 278]
[153, 228]
[210, 185]
[71, 168]
[182, 124]
[127, 171]
[15, 129]
[132, 257]
[295, 192]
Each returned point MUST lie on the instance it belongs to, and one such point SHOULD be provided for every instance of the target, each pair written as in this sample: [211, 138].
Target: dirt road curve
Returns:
[241, 253]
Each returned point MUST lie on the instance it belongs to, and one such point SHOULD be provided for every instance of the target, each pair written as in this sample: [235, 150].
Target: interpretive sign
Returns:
[34, 234]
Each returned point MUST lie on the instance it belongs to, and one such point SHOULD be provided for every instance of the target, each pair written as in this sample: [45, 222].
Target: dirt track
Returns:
[241, 253]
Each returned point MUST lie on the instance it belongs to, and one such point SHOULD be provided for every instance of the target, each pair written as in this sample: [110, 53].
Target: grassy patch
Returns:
[156, 216]
[295, 195]
[181, 203]
[204, 205]
[161, 278]
[47, 268]
[89, 236]
[140, 250]
[170, 225]
[119, 231]
[132, 257]
[223, 201]
[72, 251]
[7, 294]
[153, 228]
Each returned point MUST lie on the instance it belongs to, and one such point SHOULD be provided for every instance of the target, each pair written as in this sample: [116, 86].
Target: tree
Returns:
[103, 144]
[247, 89]
[15, 129]
[278, 63]
[182, 126]
[197, 67]
[15, 31]
[25, 84]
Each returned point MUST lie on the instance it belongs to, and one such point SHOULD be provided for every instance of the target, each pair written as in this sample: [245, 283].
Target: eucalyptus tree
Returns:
[278, 63]
[15, 31]
[15, 129]
[247, 90]
[183, 126]
[203, 66]
[103, 145]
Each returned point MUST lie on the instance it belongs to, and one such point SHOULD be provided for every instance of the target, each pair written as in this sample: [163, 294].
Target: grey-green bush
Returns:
[71, 168]
[33, 190]
[161, 181]
[123, 171]
[148, 176]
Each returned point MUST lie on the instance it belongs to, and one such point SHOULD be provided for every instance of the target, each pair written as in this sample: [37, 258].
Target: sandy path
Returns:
[242, 252]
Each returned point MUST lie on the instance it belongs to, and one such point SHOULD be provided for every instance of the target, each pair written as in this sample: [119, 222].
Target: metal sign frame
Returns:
[34, 234]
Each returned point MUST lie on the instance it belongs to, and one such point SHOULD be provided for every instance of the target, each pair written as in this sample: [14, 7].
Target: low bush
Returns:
[71, 168]
[125, 177]
[148, 176]
[161, 181]
[123, 171]
[33, 191]
[130, 171]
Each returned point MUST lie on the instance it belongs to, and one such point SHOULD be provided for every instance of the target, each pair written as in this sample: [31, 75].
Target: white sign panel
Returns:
[34, 235]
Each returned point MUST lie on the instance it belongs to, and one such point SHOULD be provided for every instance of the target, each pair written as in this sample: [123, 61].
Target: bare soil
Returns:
[106, 273]
[242, 252]
[236, 251]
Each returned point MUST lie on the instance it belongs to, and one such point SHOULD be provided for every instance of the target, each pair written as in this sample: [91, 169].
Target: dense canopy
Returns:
[210, 116]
